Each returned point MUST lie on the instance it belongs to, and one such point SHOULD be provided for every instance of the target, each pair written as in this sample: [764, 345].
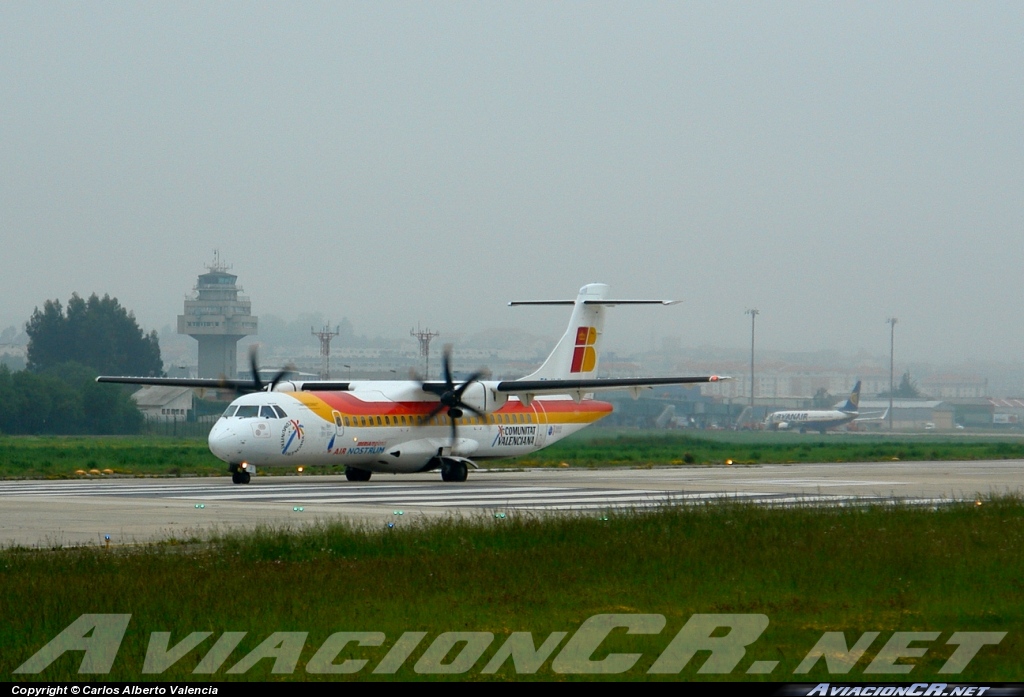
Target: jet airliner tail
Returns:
[852, 404]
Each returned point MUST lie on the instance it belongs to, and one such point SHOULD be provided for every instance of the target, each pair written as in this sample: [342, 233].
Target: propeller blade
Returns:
[451, 395]
[280, 375]
[257, 384]
[433, 412]
[446, 362]
[481, 414]
[471, 379]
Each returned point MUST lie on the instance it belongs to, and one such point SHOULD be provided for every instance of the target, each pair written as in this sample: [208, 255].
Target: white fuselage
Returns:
[382, 430]
[809, 420]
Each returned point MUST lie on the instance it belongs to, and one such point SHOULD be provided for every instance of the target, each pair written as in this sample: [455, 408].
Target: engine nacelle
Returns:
[482, 398]
[782, 425]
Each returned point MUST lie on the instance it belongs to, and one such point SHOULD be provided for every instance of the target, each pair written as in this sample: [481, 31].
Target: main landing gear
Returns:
[354, 474]
[453, 470]
[239, 475]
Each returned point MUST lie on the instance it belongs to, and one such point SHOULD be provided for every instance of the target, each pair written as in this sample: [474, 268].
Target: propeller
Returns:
[257, 384]
[450, 394]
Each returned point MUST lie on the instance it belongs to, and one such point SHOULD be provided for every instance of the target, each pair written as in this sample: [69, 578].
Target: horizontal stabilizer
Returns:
[606, 303]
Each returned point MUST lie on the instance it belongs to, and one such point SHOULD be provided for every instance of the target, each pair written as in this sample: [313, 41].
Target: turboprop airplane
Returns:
[405, 426]
[820, 420]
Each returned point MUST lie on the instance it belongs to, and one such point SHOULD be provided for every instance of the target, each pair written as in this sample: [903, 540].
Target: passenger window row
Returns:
[438, 420]
[272, 411]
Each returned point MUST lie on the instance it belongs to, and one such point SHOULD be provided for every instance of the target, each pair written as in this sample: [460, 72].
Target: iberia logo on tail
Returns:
[584, 357]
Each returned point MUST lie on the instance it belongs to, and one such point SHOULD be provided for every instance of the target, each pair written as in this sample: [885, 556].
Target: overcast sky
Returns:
[831, 164]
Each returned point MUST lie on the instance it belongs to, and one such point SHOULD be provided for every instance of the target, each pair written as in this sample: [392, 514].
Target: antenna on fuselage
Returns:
[424, 336]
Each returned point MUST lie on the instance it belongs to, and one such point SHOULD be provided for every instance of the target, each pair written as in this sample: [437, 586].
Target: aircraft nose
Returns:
[224, 442]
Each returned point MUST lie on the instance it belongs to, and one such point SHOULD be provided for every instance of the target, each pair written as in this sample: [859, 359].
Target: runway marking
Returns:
[438, 495]
[372, 493]
[242, 492]
[368, 495]
[544, 499]
[784, 500]
[820, 482]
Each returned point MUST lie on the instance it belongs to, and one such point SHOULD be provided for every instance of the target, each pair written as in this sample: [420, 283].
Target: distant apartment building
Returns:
[785, 382]
[947, 386]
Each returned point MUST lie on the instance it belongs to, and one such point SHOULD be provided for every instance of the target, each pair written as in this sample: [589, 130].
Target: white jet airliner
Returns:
[404, 426]
[820, 420]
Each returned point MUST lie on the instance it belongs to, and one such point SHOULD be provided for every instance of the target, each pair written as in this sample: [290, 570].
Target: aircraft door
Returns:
[339, 430]
[540, 418]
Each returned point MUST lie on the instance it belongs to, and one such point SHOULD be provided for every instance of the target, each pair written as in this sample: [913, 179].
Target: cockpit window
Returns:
[280, 412]
[267, 412]
[247, 411]
[229, 412]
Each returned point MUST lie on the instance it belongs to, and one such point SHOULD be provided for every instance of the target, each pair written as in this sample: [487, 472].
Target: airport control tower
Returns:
[217, 317]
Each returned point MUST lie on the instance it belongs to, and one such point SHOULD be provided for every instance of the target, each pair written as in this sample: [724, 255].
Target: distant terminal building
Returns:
[217, 317]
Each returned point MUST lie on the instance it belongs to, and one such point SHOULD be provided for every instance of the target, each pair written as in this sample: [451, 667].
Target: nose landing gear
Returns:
[238, 474]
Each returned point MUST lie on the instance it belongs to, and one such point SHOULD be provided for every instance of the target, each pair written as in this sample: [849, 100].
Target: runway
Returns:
[132, 510]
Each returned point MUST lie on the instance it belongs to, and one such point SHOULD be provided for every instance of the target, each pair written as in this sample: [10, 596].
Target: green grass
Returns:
[598, 448]
[55, 457]
[63, 456]
[885, 569]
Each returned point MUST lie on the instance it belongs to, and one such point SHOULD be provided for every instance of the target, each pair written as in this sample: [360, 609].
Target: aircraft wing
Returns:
[873, 416]
[208, 383]
[579, 387]
[219, 383]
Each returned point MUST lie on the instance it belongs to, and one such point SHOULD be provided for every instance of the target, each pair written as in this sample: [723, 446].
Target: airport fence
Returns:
[180, 428]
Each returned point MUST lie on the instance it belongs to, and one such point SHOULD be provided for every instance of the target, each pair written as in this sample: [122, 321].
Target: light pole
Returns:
[892, 336]
[753, 315]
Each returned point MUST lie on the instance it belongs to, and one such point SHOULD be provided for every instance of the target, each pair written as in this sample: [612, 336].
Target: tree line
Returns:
[907, 389]
[67, 349]
[64, 399]
[98, 333]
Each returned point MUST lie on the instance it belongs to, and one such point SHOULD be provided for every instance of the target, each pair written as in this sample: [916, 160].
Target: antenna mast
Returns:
[325, 335]
[424, 336]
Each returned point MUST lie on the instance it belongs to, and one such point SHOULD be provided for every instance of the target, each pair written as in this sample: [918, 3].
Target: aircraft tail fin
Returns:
[852, 404]
[577, 352]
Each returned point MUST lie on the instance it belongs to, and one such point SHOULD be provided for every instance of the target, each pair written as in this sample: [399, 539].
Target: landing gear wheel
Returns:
[354, 474]
[239, 477]
[453, 471]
